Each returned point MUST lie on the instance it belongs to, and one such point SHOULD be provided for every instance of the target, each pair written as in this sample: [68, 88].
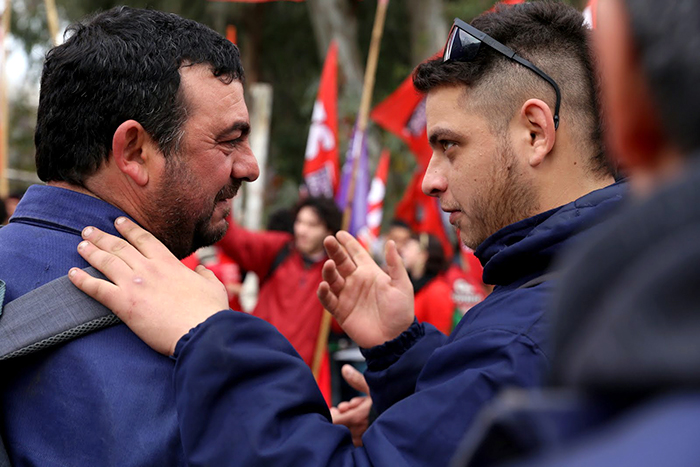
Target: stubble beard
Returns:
[177, 223]
[509, 199]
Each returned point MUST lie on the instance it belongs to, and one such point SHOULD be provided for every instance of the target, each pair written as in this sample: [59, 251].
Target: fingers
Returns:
[357, 253]
[330, 274]
[206, 273]
[327, 298]
[355, 379]
[112, 245]
[395, 267]
[101, 290]
[339, 255]
[351, 404]
[142, 240]
[109, 263]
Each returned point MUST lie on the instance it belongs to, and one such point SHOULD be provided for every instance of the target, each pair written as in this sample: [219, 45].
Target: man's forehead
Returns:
[199, 80]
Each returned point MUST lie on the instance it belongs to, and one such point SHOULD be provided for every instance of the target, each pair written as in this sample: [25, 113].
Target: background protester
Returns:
[289, 270]
[425, 261]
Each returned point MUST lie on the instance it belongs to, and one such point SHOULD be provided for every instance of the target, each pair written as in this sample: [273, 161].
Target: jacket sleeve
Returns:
[253, 251]
[393, 367]
[244, 397]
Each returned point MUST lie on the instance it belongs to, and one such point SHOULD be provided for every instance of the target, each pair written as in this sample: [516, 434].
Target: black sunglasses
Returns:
[463, 45]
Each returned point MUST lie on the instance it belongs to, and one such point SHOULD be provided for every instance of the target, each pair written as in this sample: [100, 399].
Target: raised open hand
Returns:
[370, 305]
[157, 296]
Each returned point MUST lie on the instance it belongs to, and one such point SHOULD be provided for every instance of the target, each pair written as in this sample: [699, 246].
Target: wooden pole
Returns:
[4, 104]
[52, 18]
[358, 142]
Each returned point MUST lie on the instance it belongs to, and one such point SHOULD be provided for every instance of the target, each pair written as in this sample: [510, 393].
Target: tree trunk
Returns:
[335, 19]
[428, 28]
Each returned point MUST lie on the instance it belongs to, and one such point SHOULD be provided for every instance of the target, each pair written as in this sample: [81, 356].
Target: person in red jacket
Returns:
[425, 261]
[289, 269]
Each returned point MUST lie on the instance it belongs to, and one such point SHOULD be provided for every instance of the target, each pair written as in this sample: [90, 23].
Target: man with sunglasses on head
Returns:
[517, 161]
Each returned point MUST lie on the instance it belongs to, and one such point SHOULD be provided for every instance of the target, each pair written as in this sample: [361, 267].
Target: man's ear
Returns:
[132, 149]
[536, 129]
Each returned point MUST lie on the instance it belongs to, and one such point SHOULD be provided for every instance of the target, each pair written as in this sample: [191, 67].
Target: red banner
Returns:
[590, 14]
[254, 1]
[422, 213]
[403, 114]
[321, 167]
[375, 202]
[507, 2]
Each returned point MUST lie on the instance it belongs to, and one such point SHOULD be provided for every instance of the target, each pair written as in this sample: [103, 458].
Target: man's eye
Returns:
[231, 143]
[446, 145]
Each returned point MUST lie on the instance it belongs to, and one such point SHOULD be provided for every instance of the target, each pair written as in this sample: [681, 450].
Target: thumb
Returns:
[206, 273]
[396, 269]
[355, 379]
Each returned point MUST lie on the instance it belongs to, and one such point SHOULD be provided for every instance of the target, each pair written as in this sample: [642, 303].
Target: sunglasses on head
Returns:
[464, 42]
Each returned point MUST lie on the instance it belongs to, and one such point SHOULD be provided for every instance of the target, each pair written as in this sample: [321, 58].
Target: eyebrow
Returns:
[443, 133]
[243, 127]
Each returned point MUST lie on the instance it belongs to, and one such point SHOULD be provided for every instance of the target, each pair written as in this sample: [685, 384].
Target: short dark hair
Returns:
[666, 36]
[3, 211]
[437, 261]
[553, 37]
[325, 208]
[281, 220]
[118, 65]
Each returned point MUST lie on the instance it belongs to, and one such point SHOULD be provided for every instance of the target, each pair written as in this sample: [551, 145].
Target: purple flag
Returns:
[357, 148]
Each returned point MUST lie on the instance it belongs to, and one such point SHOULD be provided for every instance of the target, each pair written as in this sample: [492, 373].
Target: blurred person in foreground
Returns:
[518, 165]
[626, 353]
[141, 114]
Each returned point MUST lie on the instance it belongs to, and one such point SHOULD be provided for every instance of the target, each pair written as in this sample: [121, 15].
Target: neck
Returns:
[315, 256]
[72, 187]
[564, 193]
[116, 192]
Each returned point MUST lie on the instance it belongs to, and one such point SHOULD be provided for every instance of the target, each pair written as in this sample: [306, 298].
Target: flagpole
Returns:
[4, 104]
[358, 142]
[52, 19]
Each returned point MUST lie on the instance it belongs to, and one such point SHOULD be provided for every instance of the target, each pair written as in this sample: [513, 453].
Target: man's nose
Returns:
[434, 180]
[245, 167]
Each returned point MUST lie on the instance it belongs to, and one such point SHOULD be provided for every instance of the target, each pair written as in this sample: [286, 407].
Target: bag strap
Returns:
[281, 255]
[49, 315]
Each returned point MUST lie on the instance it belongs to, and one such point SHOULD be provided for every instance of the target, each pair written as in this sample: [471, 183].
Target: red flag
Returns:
[232, 33]
[590, 14]
[254, 1]
[321, 168]
[375, 202]
[507, 2]
[422, 213]
[403, 114]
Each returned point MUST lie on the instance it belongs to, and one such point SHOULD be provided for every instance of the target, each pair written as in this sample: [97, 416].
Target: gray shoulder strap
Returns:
[49, 315]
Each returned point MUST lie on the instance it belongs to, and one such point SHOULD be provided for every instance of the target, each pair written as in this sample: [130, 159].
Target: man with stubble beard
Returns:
[141, 114]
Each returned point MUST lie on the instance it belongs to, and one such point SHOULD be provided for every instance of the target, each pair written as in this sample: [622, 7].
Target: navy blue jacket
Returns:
[626, 336]
[105, 399]
[244, 397]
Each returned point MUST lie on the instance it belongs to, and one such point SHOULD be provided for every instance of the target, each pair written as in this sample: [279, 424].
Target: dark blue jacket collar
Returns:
[61, 213]
[526, 248]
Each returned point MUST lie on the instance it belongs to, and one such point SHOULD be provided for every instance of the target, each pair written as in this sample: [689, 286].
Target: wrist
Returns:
[381, 356]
